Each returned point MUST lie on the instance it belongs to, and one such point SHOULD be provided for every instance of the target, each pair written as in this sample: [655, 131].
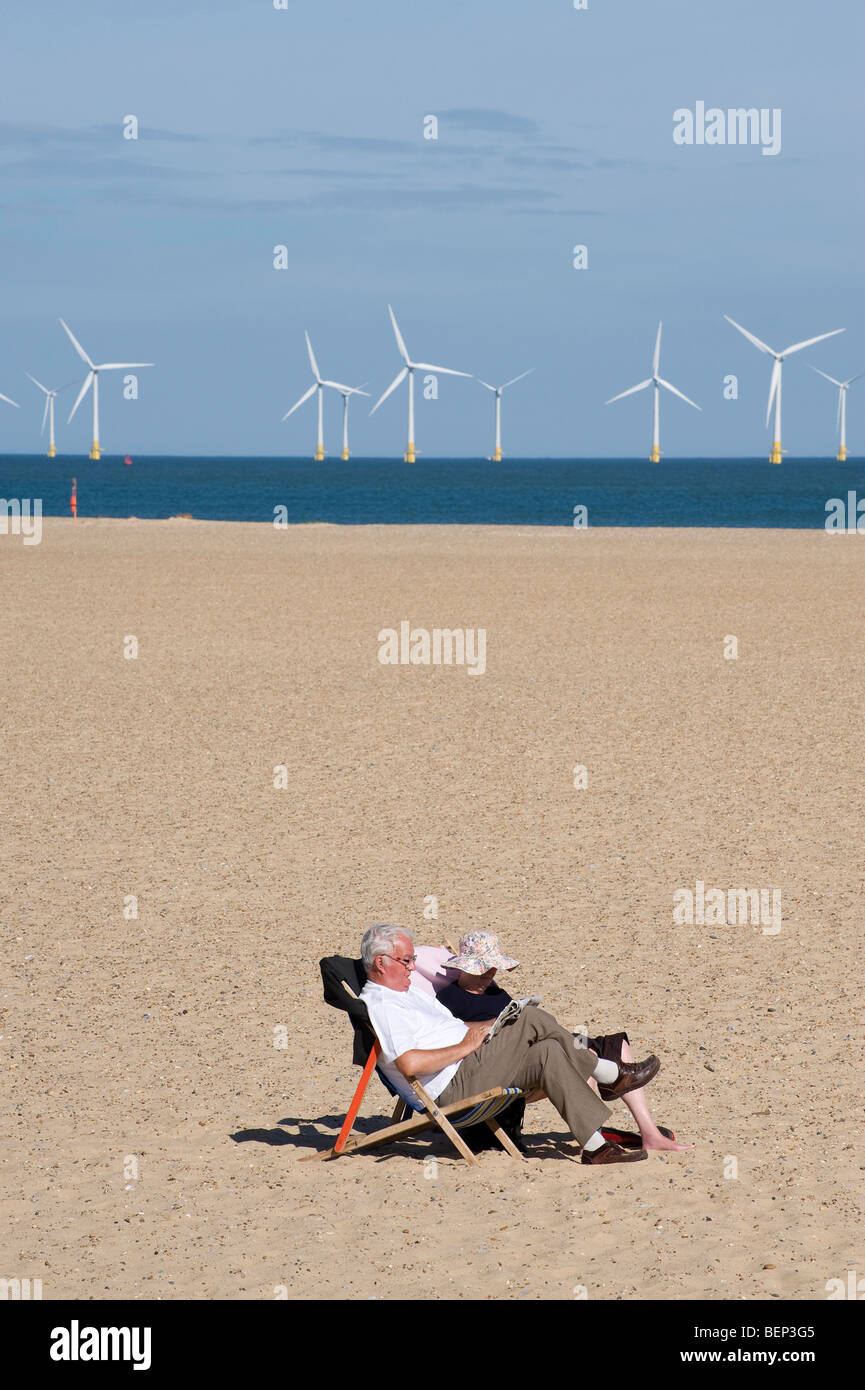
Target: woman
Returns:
[474, 997]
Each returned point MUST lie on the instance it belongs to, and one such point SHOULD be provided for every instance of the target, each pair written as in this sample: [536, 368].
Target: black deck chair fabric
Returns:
[335, 970]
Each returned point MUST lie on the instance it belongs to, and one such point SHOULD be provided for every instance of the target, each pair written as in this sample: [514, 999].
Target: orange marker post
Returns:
[73, 500]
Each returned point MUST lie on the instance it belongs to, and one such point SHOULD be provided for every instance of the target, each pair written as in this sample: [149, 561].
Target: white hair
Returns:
[380, 941]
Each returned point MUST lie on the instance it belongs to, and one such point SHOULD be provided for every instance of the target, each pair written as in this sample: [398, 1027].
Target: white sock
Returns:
[594, 1142]
[606, 1072]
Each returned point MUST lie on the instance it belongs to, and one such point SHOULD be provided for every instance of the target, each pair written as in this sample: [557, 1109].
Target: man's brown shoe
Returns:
[613, 1153]
[632, 1075]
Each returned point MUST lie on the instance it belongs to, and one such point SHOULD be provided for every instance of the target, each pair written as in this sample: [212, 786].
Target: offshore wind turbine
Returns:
[656, 382]
[775, 383]
[92, 379]
[346, 392]
[409, 370]
[48, 412]
[841, 416]
[318, 385]
[497, 390]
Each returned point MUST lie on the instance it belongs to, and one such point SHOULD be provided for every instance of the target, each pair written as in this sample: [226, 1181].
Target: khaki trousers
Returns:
[536, 1051]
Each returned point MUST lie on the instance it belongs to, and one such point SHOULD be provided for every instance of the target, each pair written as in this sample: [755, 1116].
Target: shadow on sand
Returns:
[307, 1134]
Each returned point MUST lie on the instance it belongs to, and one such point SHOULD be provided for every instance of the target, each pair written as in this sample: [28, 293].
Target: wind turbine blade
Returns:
[347, 390]
[446, 371]
[45, 413]
[121, 366]
[81, 394]
[305, 397]
[657, 353]
[808, 341]
[312, 362]
[680, 394]
[394, 384]
[486, 384]
[827, 376]
[399, 341]
[774, 384]
[78, 348]
[630, 391]
[858, 377]
[518, 378]
[750, 336]
[45, 388]
[838, 410]
[8, 402]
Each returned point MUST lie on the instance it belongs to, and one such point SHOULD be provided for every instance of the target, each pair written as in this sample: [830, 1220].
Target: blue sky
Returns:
[304, 127]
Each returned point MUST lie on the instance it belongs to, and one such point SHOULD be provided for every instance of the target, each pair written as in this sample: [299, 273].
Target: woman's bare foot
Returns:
[656, 1140]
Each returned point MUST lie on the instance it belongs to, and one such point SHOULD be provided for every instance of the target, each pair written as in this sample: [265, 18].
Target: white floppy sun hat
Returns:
[479, 952]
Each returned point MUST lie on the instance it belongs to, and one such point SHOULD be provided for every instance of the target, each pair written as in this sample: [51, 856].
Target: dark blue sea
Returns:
[525, 492]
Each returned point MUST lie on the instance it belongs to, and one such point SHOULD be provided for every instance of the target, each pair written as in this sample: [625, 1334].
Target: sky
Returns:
[303, 127]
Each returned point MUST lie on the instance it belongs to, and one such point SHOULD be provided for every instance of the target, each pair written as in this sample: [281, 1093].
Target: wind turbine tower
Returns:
[346, 392]
[48, 412]
[92, 379]
[497, 391]
[775, 382]
[318, 386]
[656, 382]
[409, 370]
[841, 417]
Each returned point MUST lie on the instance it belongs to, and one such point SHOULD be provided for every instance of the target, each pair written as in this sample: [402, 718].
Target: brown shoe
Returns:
[613, 1153]
[632, 1075]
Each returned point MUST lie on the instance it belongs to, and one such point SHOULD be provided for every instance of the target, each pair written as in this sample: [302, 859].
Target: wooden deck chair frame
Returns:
[434, 1116]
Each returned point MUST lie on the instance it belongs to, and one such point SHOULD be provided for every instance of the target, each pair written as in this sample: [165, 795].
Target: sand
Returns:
[157, 1126]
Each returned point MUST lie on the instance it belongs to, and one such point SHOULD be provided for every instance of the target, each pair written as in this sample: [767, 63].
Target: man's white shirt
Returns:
[408, 1020]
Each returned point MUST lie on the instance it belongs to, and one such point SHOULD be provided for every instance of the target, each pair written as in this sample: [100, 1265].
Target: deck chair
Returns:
[343, 979]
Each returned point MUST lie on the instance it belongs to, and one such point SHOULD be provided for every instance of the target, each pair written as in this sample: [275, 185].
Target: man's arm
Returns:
[420, 1061]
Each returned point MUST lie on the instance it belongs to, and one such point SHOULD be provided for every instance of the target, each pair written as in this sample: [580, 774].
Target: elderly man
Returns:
[451, 1059]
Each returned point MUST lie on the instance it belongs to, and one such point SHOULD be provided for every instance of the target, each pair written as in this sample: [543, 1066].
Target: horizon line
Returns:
[452, 458]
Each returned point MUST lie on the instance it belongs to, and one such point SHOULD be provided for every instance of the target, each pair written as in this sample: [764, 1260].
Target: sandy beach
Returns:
[165, 1072]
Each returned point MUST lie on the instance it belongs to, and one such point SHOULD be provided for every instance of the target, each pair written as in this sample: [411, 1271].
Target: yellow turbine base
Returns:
[319, 455]
[655, 455]
[94, 451]
[842, 454]
[497, 455]
[409, 453]
[52, 452]
[775, 456]
[344, 455]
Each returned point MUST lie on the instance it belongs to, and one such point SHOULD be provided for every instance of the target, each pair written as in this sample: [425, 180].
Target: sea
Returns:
[517, 492]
